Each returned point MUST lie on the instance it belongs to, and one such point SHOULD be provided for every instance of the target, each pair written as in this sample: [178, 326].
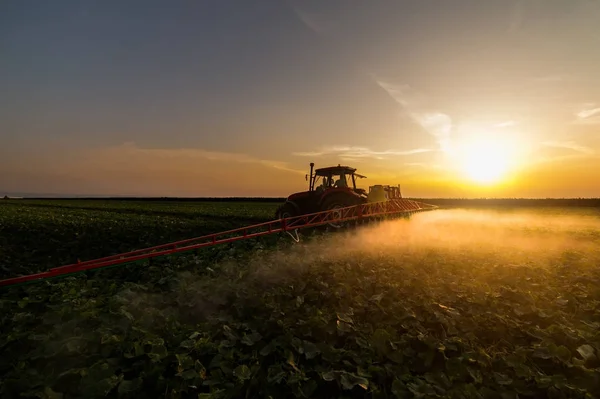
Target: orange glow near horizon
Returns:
[498, 100]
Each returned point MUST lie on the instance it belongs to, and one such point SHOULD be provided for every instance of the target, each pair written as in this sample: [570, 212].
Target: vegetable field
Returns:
[497, 303]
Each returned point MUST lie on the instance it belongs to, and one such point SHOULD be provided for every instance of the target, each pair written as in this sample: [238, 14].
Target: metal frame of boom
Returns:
[288, 225]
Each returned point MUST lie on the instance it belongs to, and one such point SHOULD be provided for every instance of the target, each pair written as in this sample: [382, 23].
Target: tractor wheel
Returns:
[338, 202]
[287, 210]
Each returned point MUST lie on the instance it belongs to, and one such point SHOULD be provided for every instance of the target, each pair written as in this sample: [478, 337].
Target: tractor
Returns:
[332, 188]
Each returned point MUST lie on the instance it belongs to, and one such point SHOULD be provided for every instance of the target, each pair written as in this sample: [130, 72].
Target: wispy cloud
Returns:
[131, 169]
[588, 114]
[569, 145]
[436, 123]
[505, 124]
[312, 21]
[356, 153]
[131, 149]
[318, 22]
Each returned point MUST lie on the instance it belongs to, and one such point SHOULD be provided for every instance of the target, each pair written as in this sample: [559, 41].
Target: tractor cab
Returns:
[334, 177]
[328, 188]
[332, 188]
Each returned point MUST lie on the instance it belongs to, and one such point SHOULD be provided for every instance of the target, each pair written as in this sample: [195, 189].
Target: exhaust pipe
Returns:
[312, 165]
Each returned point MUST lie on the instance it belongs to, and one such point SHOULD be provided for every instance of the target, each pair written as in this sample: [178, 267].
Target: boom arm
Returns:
[394, 207]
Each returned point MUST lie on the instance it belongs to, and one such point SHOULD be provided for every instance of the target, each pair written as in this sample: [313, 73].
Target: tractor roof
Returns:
[336, 170]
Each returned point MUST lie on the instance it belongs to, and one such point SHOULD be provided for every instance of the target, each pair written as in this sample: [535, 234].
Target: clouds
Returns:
[563, 153]
[569, 145]
[131, 150]
[505, 124]
[588, 114]
[349, 153]
[129, 169]
[436, 123]
[314, 21]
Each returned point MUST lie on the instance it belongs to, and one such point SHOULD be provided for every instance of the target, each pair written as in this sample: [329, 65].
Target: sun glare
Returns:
[484, 161]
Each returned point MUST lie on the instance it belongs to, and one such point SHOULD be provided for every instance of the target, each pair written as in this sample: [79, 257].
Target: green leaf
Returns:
[23, 303]
[380, 339]
[363, 343]
[329, 376]
[212, 395]
[229, 333]
[97, 388]
[344, 327]
[158, 352]
[308, 388]
[542, 353]
[587, 352]
[75, 344]
[291, 360]
[563, 353]
[127, 314]
[112, 338]
[349, 381]
[184, 360]
[439, 380]
[502, 379]
[188, 344]
[199, 367]
[345, 318]
[267, 349]
[251, 339]
[99, 370]
[48, 393]
[399, 389]
[39, 337]
[456, 369]
[275, 374]
[395, 356]
[376, 298]
[242, 372]
[128, 386]
[420, 388]
[189, 374]
[310, 349]
[475, 375]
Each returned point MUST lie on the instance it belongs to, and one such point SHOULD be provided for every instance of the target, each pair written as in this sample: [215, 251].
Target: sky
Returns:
[462, 98]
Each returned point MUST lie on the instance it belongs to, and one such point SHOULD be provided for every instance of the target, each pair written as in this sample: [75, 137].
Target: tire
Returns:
[337, 202]
[287, 210]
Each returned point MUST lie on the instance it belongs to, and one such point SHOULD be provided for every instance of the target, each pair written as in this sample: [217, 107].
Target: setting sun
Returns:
[484, 162]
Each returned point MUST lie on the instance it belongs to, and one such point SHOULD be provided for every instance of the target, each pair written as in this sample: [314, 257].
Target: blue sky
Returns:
[142, 97]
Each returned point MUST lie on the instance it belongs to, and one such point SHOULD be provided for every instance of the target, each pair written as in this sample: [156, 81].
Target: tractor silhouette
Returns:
[332, 188]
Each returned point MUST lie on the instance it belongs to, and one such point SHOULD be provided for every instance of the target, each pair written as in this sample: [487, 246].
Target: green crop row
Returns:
[451, 304]
[36, 235]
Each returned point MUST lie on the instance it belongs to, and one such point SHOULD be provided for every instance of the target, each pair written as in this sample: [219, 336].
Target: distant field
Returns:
[454, 303]
[511, 203]
[39, 234]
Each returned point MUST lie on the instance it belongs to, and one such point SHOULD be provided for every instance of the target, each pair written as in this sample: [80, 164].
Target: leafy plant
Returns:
[424, 321]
